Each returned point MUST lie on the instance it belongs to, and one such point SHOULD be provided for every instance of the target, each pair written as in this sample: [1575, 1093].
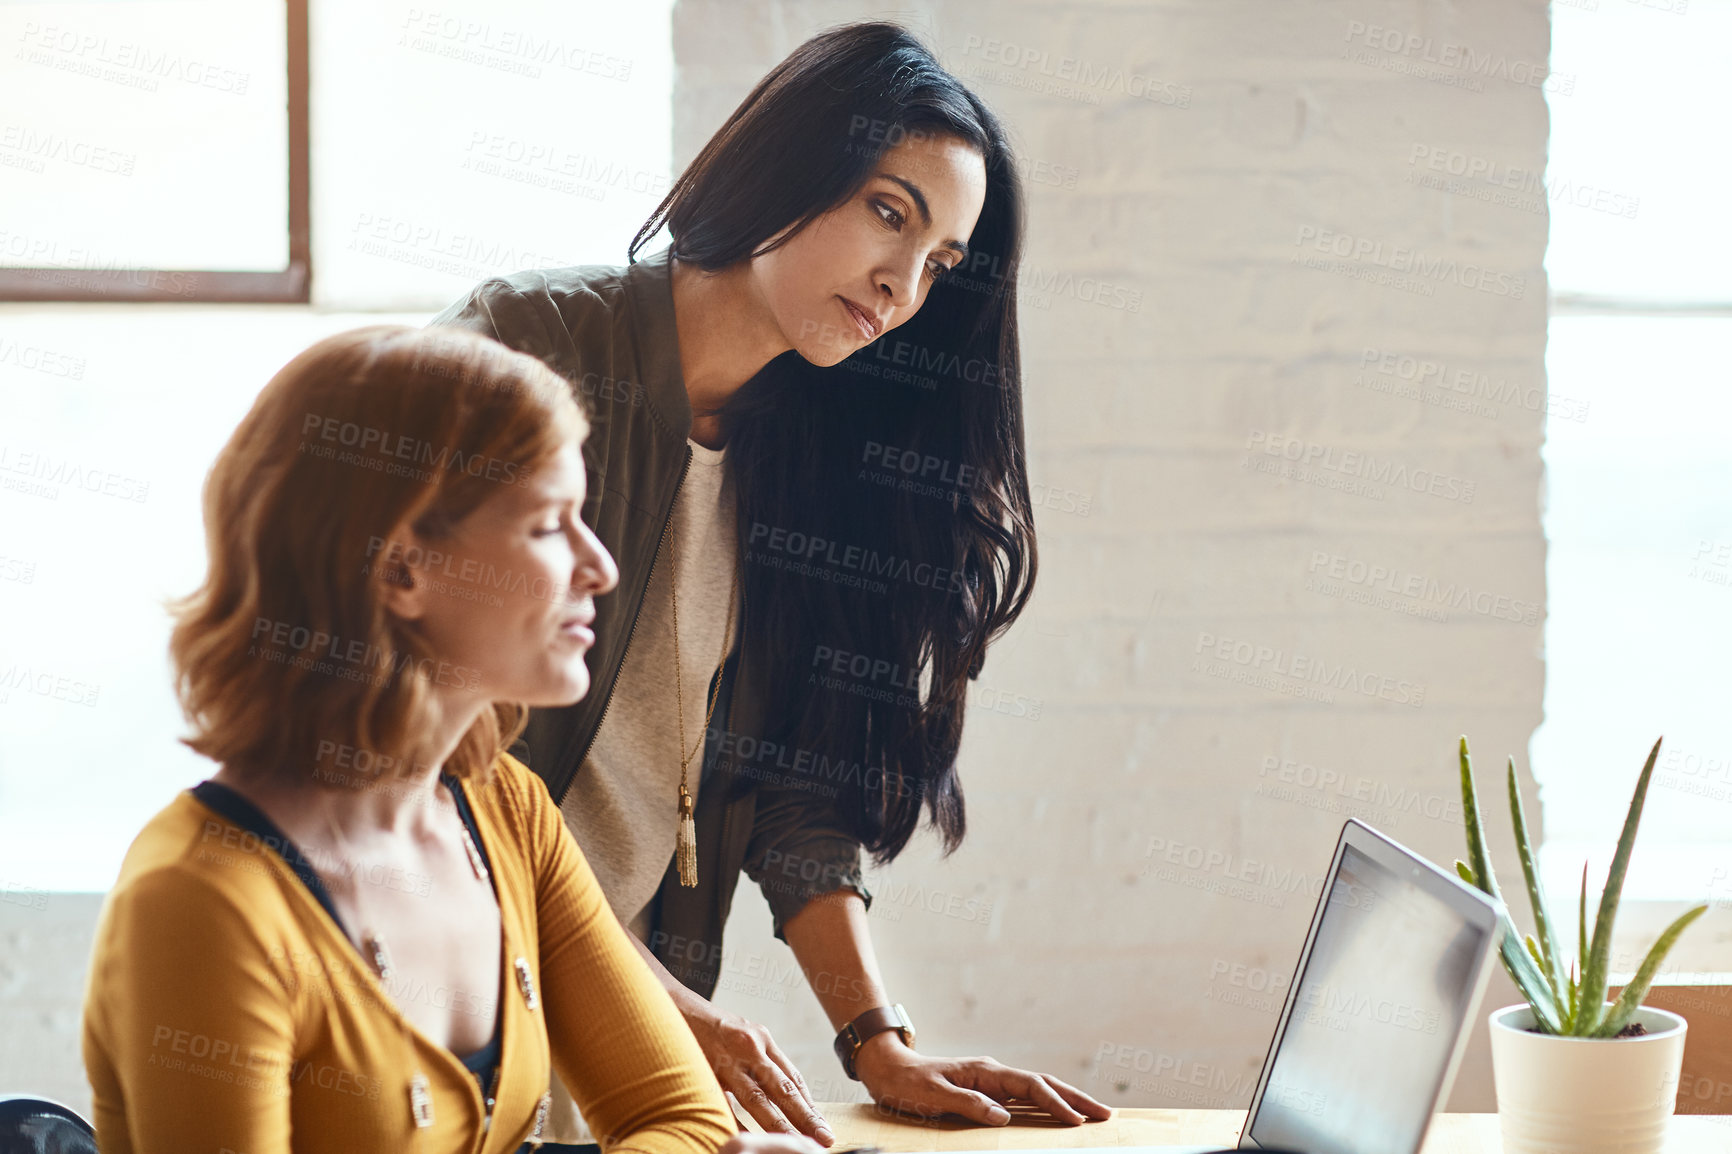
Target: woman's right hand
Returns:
[770, 1144]
[752, 1068]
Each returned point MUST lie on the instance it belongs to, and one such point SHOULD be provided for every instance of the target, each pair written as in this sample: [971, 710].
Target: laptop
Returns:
[1379, 1011]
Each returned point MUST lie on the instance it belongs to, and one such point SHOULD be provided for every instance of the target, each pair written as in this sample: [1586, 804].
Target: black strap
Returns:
[482, 1061]
[251, 819]
[452, 784]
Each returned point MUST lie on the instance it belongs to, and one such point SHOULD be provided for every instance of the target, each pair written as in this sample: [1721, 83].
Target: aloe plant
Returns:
[1571, 1001]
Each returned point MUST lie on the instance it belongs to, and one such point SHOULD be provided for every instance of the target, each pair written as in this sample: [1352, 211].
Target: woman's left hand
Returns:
[976, 1088]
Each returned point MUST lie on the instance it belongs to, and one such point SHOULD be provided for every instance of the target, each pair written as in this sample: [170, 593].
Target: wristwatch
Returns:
[855, 1033]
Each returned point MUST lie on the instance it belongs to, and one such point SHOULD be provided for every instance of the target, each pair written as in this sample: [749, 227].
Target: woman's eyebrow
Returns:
[925, 213]
[538, 499]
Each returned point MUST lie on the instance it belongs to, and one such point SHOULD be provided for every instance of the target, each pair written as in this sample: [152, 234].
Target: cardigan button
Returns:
[526, 982]
[420, 1101]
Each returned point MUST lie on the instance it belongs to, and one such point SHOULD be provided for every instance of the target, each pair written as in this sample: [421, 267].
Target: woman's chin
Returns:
[826, 354]
[568, 690]
[575, 691]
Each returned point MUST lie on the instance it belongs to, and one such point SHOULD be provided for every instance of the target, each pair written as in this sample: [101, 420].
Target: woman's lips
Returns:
[865, 323]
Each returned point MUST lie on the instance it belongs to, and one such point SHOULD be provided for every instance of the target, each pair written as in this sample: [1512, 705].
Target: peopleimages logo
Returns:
[1486, 178]
[46, 684]
[1312, 670]
[821, 554]
[134, 65]
[1376, 795]
[1422, 588]
[40, 474]
[40, 360]
[1072, 76]
[1464, 59]
[1172, 1077]
[1363, 251]
[1429, 378]
[372, 445]
[1313, 457]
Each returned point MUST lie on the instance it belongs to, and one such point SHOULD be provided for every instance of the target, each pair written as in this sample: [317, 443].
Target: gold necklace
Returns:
[686, 845]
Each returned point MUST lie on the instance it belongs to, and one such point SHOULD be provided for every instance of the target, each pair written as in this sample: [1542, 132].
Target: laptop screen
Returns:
[1376, 1012]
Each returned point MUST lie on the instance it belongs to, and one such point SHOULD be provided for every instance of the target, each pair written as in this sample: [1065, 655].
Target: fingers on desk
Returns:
[1078, 1100]
[776, 1098]
[1059, 1099]
[984, 1108]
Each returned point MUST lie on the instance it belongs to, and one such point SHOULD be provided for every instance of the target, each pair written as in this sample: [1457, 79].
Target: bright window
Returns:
[150, 134]
[447, 145]
[1639, 462]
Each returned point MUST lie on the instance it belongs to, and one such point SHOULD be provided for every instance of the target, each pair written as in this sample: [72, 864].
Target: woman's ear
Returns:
[400, 590]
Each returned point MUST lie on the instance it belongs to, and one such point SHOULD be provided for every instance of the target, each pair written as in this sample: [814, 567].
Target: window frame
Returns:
[291, 285]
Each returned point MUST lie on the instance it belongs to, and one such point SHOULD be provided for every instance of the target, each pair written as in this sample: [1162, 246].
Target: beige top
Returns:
[623, 806]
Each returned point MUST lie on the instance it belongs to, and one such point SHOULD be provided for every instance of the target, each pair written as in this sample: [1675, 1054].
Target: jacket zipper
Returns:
[667, 524]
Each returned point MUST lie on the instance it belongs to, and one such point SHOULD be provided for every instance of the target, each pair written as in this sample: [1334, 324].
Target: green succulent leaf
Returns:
[1631, 999]
[1574, 1007]
[1575, 994]
[1521, 968]
[1525, 973]
[1466, 872]
[1594, 969]
[1479, 857]
[1550, 955]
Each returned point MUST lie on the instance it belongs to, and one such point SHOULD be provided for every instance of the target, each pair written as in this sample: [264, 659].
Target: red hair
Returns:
[286, 654]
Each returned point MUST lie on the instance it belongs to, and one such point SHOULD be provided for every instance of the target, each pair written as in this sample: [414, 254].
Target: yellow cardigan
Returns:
[226, 1012]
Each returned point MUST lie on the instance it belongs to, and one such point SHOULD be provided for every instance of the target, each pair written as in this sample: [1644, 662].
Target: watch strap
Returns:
[874, 1021]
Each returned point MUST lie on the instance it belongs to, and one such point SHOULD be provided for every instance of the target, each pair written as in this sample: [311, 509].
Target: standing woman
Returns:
[839, 299]
[370, 930]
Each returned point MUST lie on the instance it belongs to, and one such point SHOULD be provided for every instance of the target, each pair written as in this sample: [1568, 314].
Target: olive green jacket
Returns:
[609, 330]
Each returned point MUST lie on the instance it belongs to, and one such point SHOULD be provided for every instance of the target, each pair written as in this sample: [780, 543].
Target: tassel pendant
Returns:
[686, 848]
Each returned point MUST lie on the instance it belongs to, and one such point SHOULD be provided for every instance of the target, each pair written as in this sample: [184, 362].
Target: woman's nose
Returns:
[596, 570]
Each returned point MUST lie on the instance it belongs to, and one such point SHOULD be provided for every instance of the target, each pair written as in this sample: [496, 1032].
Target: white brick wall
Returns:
[1260, 134]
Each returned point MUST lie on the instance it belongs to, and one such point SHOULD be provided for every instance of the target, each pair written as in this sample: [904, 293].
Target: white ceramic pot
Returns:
[1585, 1095]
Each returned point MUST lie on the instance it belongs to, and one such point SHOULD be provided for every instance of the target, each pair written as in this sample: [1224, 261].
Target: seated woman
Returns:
[370, 930]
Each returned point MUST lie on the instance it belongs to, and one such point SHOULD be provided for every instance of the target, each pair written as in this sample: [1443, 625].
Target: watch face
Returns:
[907, 1024]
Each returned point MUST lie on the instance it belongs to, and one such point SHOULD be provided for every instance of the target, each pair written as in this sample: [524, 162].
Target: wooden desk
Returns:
[863, 1125]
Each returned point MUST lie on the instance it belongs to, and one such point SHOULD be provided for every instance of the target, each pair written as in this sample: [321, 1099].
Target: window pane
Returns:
[1637, 176]
[149, 134]
[1638, 522]
[500, 136]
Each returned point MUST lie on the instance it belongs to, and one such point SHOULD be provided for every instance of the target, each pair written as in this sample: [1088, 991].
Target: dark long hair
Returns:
[900, 585]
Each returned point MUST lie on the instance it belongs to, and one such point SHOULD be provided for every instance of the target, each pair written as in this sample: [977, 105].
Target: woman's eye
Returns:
[937, 270]
[547, 532]
[895, 218]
